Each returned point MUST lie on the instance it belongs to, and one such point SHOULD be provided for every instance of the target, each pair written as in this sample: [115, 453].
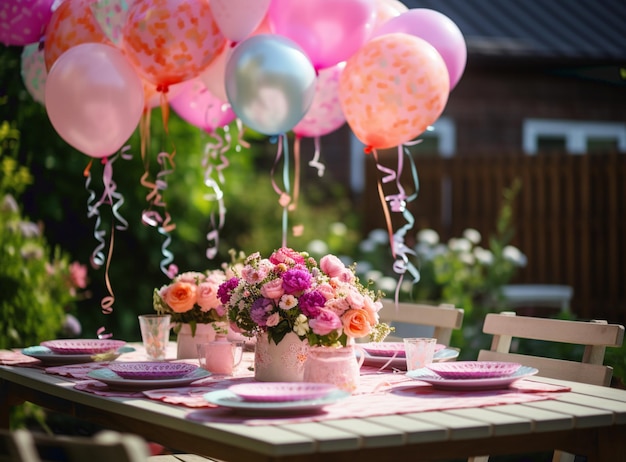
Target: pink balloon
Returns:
[237, 19]
[325, 114]
[438, 30]
[34, 72]
[94, 98]
[392, 89]
[329, 31]
[213, 75]
[23, 21]
[196, 105]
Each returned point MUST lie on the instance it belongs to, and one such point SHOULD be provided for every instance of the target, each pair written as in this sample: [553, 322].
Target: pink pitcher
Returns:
[338, 366]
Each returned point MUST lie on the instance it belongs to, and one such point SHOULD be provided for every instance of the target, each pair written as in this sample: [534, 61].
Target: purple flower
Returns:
[260, 310]
[311, 302]
[296, 281]
[225, 288]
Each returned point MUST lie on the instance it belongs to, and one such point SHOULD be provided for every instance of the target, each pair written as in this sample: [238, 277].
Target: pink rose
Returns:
[337, 305]
[272, 320]
[287, 256]
[206, 295]
[326, 290]
[356, 323]
[254, 275]
[326, 322]
[332, 266]
[273, 289]
[180, 296]
[355, 299]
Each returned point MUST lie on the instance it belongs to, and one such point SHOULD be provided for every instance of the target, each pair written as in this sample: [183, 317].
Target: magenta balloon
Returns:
[329, 31]
[94, 98]
[196, 105]
[325, 114]
[438, 30]
[23, 21]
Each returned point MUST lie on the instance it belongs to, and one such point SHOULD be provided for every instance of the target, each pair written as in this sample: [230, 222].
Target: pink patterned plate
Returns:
[388, 349]
[82, 346]
[275, 392]
[151, 370]
[473, 369]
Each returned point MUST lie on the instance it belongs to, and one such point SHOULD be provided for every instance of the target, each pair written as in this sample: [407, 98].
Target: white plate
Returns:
[115, 381]
[445, 354]
[226, 398]
[49, 358]
[426, 375]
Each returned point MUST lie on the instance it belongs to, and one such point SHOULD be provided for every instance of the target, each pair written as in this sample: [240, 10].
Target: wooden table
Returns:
[589, 420]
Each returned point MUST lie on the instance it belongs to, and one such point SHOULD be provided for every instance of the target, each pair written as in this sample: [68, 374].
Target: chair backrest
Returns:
[594, 335]
[444, 318]
[106, 446]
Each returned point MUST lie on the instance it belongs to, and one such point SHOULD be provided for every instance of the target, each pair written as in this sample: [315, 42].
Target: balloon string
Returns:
[296, 169]
[315, 162]
[383, 203]
[398, 203]
[215, 150]
[240, 140]
[284, 198]
[97, 256]
[161, 220]
[107, 301]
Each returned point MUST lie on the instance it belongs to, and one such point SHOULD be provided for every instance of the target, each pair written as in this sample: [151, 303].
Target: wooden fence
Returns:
[569, 217]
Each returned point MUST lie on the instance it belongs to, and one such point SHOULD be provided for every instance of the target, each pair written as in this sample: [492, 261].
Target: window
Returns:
[574, 137]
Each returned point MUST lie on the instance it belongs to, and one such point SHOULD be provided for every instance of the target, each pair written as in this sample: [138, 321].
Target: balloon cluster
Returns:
[306, 66]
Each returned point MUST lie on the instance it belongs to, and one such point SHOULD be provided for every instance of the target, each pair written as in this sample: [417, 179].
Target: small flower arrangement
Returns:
[323, 303]
[191, 298]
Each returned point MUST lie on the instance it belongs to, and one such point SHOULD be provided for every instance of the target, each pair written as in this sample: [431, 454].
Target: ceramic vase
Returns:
[186, 343]
[280, 363]
[338, 366]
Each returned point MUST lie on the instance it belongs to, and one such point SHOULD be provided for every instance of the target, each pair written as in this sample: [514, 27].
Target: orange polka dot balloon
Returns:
[392, 89]
[169, 41]
[71, 24]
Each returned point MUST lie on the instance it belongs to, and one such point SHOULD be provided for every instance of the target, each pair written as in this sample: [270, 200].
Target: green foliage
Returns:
[460, 272]
[36, 279]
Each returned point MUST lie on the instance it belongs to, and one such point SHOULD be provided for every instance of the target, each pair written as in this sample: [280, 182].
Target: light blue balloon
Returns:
[270, 83]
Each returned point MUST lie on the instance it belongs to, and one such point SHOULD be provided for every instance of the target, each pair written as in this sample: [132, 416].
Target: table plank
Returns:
[371, 434]
[502, 424]
[584, 417]
[459, 427]
[415, 431]
[327, 438]
[541, 420]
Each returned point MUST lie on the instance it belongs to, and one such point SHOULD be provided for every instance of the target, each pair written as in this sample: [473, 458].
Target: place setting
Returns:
[277, 397]
[471, 375]
[146, 375]
[76, 351]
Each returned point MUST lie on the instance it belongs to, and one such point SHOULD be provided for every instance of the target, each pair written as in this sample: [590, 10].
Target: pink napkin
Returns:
[16, 358]
[75, 371]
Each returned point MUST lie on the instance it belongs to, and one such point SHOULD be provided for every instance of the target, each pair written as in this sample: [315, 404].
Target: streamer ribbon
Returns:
[315, 162]
[397, 203]
[214, 162]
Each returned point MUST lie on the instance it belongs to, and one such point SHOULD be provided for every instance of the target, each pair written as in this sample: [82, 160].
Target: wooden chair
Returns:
[106, 446]
[594, 335]
[444, 318]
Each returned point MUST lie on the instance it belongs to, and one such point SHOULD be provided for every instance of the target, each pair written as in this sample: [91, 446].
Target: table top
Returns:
[586, 420]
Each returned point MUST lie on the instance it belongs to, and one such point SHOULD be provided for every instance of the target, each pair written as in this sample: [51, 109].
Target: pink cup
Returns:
[221, 356]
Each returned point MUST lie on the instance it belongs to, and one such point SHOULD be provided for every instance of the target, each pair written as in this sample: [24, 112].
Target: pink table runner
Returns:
[378, 394]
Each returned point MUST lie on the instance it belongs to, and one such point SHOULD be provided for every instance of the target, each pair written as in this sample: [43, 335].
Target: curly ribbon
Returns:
[215, 150]
[315, 162]
[284, 198]
[397, 203]
[151, 217]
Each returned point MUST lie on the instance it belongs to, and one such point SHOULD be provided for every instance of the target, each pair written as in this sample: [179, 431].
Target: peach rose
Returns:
[356, 323]
[180, 296]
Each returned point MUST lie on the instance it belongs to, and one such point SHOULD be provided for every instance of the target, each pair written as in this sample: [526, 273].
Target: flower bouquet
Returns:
[196, 312]
[323, 303]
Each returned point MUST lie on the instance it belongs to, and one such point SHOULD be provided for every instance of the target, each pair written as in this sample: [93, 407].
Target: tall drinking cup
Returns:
[419, 352]
[155, 333]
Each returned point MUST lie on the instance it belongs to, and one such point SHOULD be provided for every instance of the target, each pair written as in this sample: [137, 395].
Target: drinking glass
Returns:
[419, 352]
[155, 333]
